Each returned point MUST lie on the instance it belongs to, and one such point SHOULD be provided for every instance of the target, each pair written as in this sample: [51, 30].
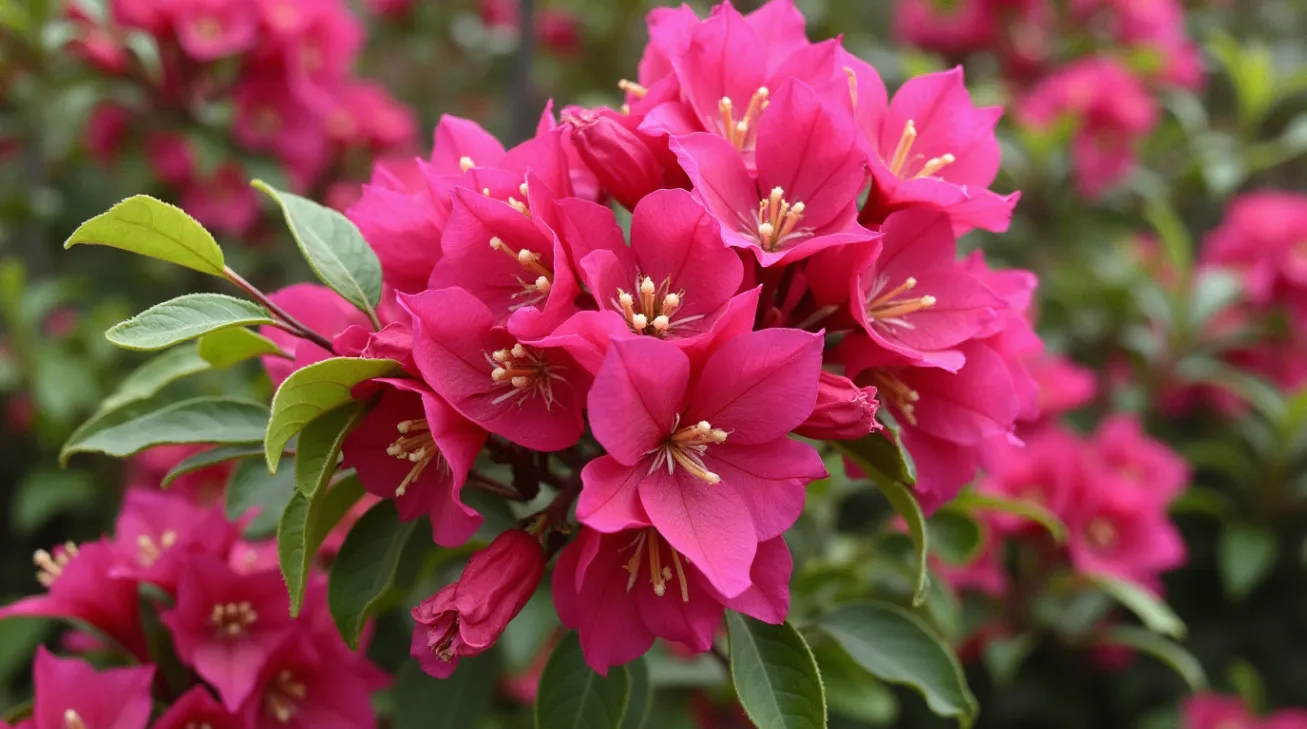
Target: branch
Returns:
[294, 325]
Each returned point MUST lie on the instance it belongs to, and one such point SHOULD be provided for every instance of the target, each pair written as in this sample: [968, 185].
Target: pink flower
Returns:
[914, 299]
[1261, 240]
[196, 708]
[930, 147]
[79, 587]
[467, 616]
[157, 534]
[70, 693]
[843, 411]
[1114, 530]
[320, 309]
[1138, 461]
[1157, 27]
[211, 29]
[1063, 384]
[529, 395]
[960, 27]
[1047, 471]
[107, 130]
[413, 447]
[701, 453]
[1211, 711]
[622, 590]
[630, 163]
[1110, 112]
[366, 115]
[225, 625]
[305, 684]
[222, 201]
[810, 167]
[170, 157]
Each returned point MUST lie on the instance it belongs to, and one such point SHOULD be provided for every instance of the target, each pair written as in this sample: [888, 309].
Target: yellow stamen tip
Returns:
[466, 163]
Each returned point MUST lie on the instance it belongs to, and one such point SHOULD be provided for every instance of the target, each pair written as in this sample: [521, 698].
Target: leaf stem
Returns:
[293, 325]
[481, 481]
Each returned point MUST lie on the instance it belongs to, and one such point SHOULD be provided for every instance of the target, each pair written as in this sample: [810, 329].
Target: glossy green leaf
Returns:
[1155, 614]
[226, 347]
[184, 318]
[640, 705]
[1159, 647]
[572, 695]
[905, 503]
[364, 570]
[881, 456]
[954, 536]
[775, 675]
[139, 426]
[458, 702]
[1246, 554]
[211, 457]
[973, 501]
[44, 494]
[896, 646]
[318, 448]
[334, 248]
[154, 375]
[312, 391]
[1004, 656]
[156, 229]
[851, 691]
[305, 523]
[252, 487]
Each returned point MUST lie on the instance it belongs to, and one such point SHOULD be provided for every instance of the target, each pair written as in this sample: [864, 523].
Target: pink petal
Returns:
[609, 501]
[458, 138]
[674, 238]
[709, 525]
[969, 407]
[725, 58]
[780, 28]
[768, 598]
[720, 179]
[771, 479]
[636, 396]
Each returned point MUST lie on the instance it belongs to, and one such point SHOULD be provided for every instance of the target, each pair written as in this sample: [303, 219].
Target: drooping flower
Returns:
[467, 616]
[530, 395]
[226, 625]
[701, 453]
[843, 411]
[414, 448]
[622, 590]
[629, 162]
[71, 694]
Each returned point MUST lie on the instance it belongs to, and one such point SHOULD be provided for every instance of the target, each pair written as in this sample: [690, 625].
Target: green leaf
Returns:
[573, 696]
[881, 456]
[304, 524]
[334, 248]
[973, 501]
[906, 505]
[365, 568]
[775, 675]
[157, 373]
[156, 229]
[211, 457]
[318, 448]
[954, 536]
[1156, 615]
[312, 391]
[1214, 290]
[896, 646]
[1246, 554]
[1248, 683]
[252, 487]
[852, 692]
[216, 420]
[226, 347]
[1004, 656]
[458, 702]
[1171, 231]
[642, 697]
[46, 493]
[1159, 647]
[184, 318]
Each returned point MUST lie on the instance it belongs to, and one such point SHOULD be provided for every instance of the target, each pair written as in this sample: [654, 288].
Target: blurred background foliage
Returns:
[1120, 293]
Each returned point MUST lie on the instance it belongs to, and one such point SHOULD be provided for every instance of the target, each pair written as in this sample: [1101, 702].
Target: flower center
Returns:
[419, 448]
[465, 163]
[51, 565]
[208, 28]
[513, 202]
[887, 308]
[73, 720]
[902, 159]
[266, 121]
[536, 279]
[742, 132]
[231, 619]
[310, 57]
[1101, 533]
[903, 398]
[149, 550]
[653, 310]
[525, 372]
[778, 221]
[283, 696]
[686, 448]
[200, 725]
[659, 573]
[442, 643]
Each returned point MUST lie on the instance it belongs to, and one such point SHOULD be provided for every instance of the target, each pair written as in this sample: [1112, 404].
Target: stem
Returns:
[558, 509]
[295, 326]
[481, 481]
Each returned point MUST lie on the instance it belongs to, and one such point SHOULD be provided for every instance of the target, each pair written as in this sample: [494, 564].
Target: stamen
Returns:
[886, 309]
[525, 372]
[51, 566]
[659, 573]
[904, 148]
[420, 449]
[72, 720]
[902, 396]
[231, 619]
[936, 164]
[632, 88]
[741, 133]
[466, 163]
[686, 448]
[778, 220]
[853, 85]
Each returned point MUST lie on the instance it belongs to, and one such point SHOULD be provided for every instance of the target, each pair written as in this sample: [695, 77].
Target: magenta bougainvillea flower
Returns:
[468, 615]
[197, 708]
[157, 534]
[1128, 454]
[414, 448]
[622, 590]
[690, 452]
[71, 694]
[843, 410]
[226, 624]
[305, 685]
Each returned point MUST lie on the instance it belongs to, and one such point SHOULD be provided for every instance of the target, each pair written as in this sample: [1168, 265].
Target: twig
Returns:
[295, 326]
[481, 481]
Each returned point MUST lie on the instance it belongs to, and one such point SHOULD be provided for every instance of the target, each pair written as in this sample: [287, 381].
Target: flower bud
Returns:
[626, 164]
[843, 412]
[467, 616]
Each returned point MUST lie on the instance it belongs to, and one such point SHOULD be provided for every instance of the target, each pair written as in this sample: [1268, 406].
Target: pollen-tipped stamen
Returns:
[778, 219]
[742, 132]
[150, 550]
[525, 372]
[465, 163]
[632, 88]
[935, 164]
[232, 618]
[659, 573]
[51, 565]
[905, 147]
[73, 720]
[903, 397]
[416, 446]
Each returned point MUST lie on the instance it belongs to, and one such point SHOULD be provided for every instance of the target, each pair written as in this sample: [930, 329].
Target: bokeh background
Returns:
[1143, 135]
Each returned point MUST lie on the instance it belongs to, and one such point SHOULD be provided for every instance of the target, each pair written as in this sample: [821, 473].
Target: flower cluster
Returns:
[1213, 711]
[223, 608]
[759, 290]
[285, 69]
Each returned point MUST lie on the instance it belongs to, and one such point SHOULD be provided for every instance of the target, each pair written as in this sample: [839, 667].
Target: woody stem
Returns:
[295, 326]
[478, 480]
